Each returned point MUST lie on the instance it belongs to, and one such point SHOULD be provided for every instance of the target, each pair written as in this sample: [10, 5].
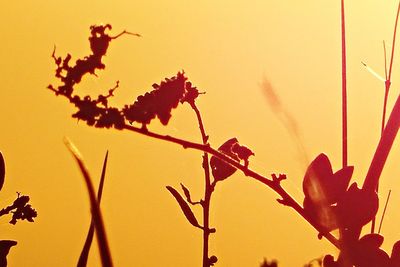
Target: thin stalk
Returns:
[276, 186]
[387, 89]
[383, 149]
[384, 211]
[208, 189]
[344, 90]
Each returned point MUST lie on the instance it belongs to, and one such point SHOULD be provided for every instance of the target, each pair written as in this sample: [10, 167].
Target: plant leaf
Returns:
[2, 170]
[187, 193]
[82, 262]
[220, 169]
[96, 213]
[184, 207]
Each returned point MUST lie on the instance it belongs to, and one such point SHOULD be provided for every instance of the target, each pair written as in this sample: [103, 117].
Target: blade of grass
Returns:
[89, 238]
[384, 211]
[344, 90]
[96, 213]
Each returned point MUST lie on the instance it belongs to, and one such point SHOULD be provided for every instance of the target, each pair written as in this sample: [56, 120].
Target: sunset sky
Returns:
[227, 49]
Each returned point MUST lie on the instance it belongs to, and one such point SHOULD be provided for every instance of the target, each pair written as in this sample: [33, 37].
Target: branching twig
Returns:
[276, 186]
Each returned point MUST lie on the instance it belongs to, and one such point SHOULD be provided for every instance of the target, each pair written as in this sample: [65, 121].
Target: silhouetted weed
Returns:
[20, 210]
[331, 202]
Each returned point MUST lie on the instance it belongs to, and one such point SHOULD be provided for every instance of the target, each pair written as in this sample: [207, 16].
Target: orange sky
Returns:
[226, 49]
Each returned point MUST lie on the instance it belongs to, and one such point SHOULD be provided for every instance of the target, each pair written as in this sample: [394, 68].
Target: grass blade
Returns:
[96, 213]
[89, 238]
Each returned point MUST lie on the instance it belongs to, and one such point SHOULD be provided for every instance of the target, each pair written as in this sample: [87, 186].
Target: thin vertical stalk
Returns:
[387, 89]
[383, 149]
[208, 189]
[389, 77]
[384, 212]
[344, 90]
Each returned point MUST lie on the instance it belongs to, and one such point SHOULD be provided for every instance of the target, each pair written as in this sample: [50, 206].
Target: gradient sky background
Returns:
[226, 48]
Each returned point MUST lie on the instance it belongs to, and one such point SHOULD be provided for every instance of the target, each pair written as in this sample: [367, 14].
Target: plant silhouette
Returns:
[331, 202]
[20, 210]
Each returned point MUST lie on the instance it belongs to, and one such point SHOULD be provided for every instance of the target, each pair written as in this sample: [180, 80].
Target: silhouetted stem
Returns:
[383, 149]
[387, 89]
[289, 201]
[207, 191]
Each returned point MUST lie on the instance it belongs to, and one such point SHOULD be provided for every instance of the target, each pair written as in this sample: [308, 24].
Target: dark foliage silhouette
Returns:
[330, 202]
[5, 246]
[20, 210]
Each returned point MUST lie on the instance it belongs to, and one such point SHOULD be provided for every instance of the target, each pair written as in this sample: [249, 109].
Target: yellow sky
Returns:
[226, 49]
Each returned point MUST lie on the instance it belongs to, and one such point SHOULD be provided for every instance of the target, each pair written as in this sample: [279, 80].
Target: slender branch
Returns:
[274, 185]
[207, 191]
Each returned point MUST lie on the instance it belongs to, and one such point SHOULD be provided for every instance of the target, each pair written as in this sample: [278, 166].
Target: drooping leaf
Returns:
[2, 170]
[220, 169]
[184, 207]
[82, 262]
[104, 248]
[5, 246]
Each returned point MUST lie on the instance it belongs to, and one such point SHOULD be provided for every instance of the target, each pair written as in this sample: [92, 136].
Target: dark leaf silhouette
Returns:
[159, 102]
[184, 207]
[323, 189]
[242, 152]
[395, 256]
[366, 253]
[2, 170]
[5, 246]
[357, 207]
[82, 262]
[220, 169]
[320, 183]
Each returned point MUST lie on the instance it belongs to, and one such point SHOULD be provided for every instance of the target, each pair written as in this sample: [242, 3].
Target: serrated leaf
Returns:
[2, 170]
[184, 207]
